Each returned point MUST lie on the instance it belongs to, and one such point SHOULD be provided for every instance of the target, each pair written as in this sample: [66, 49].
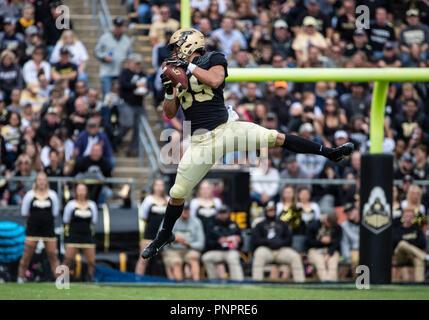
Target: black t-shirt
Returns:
[202, 105]
[345, 28]
[379, 35]
[65, 69]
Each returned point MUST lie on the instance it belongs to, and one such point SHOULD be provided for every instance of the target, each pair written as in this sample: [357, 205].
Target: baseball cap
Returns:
[9, 20]
[136, 57]
[271, 116]
[311, 2]
[389, 45]
[408, 178]
[306, 127]
[280, 84]
[26, 103]
[270, 205]
[64, 50]
[359, 32]
[31, 30]
[52, 110]
[280, 24]
[340, 134]
[118, 21]
[412, 12]
[407, 157]
[349, 206]
[291, 158]
[309, 21]
[187, 205]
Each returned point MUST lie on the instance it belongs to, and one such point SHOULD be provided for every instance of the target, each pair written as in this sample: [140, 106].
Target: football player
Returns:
[212, 127]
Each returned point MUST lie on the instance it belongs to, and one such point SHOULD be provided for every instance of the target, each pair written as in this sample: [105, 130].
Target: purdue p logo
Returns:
[376, 215]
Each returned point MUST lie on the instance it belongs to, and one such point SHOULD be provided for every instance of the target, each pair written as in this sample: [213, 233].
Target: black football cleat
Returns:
[340, 153]
[156, 245]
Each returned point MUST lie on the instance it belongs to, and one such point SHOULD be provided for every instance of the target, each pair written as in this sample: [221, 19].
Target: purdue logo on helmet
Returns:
[187, 40]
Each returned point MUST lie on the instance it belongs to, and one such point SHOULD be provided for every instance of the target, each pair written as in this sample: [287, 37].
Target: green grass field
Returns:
[48, 291]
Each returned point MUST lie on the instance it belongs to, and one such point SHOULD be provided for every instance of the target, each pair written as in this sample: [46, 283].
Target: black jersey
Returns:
[202, 105]
[40, 214]
[79, 222]
[153, 213]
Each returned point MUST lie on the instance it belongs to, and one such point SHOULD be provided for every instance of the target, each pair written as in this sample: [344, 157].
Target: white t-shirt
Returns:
[78, 53]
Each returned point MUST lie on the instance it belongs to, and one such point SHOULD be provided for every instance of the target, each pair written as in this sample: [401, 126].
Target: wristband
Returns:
[191, 67]
[169, 96]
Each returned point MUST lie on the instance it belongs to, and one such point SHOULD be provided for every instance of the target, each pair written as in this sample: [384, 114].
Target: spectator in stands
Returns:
[52, 30]
[27, 18]
[15, 101]
[4, 113]
[413, 201]
[12, 40]
[78, 54]
[33, 40]
[308, 36]
[32, 94]
[331, 121]
[152, 212]
[389, 59]
[223, 242]
[311, 165]
[11, 134]
[48, 125]
[10, 74]
[346, 22]
[55, 168]
[40, 206]
[380, 32]
[272, 240]
[10, 9]
[241, 60]
[409, 245]
[293, 171]
[414, 34]
[360, 43]
[357, 102]
[215, 13]
[79, 218]
[94, 166]
[142, 7]
[228, 35]
[310, 209]
[205, 205]
[18, 189]
[323, 243]
[405, 166]
[91, 136]
[323, 23]
[264, 182]
[157, 29]
[64, 70]
[350, 235]
[133, 88]
[33, 152]
[280, 104]
[112, 49]
[77, 120]
[187, 246]
[408, 119]
[421, 167]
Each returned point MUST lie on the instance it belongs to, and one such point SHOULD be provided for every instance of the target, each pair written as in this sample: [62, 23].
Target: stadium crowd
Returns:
[52, 121]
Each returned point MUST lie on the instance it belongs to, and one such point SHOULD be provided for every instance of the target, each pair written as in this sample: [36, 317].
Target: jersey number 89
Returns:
[202, 92]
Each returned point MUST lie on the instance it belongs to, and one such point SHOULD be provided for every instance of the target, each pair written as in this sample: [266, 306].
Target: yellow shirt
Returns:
[302, 41]
[157, 29]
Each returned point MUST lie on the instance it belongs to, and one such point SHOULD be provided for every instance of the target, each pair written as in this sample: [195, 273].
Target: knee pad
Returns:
[178, 192]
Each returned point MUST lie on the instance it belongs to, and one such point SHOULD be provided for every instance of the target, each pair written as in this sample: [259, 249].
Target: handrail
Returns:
[101, 11]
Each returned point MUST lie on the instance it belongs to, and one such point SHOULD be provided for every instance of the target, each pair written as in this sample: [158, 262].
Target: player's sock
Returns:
[300, 145]
[172, 213]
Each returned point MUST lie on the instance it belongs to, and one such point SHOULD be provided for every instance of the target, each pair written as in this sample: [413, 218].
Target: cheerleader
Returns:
[40, 207]
[152, 212]
[80, 216]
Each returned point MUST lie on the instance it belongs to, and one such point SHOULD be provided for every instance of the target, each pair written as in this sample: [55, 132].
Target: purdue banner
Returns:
[376, 217]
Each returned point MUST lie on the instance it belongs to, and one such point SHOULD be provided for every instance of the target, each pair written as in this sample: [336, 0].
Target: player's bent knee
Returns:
[178, 192]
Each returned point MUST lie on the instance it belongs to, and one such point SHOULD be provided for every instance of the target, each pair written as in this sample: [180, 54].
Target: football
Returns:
[177, 75]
